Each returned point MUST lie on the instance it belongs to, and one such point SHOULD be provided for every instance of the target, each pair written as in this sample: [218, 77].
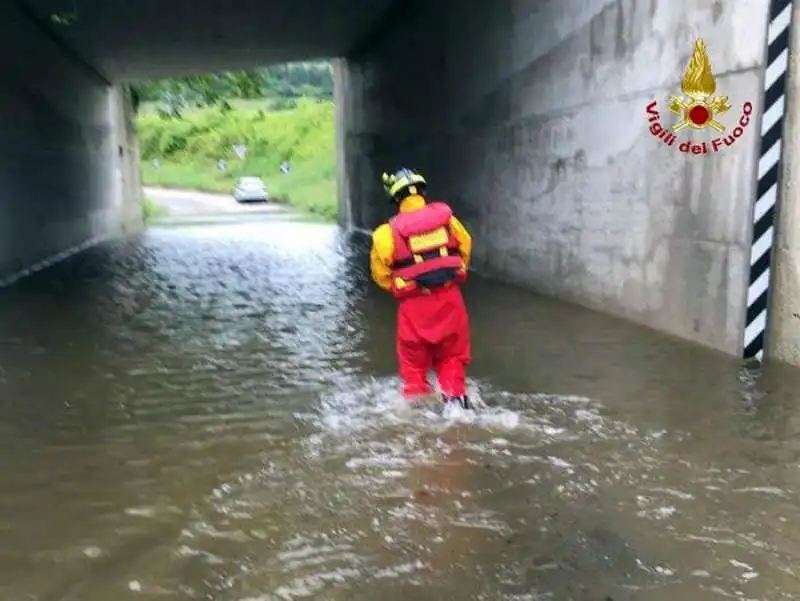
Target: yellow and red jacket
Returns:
[422, 247]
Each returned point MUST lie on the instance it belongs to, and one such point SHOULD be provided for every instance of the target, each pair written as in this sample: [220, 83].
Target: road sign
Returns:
[240, 150]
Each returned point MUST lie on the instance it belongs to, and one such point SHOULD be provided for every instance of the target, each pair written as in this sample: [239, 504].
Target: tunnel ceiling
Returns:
[138, 39]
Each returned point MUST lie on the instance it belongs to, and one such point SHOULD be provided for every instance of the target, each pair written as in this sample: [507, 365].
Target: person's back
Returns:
[422, 256]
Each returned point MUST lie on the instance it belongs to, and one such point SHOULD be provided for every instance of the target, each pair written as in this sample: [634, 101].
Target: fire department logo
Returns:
[698, 108]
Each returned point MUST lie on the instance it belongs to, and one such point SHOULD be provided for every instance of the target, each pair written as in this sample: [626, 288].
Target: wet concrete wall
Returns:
[783, 336]
[531, 117]
[60, 182]
[129, 195]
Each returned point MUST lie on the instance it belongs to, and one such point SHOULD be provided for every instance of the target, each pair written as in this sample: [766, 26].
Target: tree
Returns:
[277, 82]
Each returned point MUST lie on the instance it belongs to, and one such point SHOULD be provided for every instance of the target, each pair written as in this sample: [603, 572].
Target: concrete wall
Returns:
[783, 336]
[530, 116]
[59, 148]
[128, 195]
[340, 90]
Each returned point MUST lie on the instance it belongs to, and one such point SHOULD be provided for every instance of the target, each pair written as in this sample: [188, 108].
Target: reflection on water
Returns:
[209, 413]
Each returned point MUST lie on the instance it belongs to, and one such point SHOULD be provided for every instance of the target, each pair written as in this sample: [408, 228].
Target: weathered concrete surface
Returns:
[128, 41]
[340, 91]
[531, 116]
[128, 198]
[60, 158]
[783, 336]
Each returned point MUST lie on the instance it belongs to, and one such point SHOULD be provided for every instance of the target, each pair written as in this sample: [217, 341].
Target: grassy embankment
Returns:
[188, 149]
[152, 210]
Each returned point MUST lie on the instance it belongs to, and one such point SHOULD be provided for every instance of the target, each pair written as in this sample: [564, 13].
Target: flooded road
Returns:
[210, 413]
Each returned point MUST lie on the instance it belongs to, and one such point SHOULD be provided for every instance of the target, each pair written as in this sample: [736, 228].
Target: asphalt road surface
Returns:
[187, 202]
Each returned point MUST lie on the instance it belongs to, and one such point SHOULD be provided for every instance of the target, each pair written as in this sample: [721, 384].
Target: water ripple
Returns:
[200, 413]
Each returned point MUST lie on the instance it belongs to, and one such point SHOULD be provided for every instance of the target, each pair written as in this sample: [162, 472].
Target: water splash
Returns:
[375, 403]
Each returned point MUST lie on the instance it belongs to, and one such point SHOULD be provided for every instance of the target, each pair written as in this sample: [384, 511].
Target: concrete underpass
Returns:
[530, 116]
[208, 408]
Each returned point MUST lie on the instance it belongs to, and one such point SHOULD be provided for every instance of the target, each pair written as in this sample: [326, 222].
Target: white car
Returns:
[250, 189]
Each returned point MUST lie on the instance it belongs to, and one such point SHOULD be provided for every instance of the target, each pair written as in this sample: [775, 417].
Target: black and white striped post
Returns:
[769, 178]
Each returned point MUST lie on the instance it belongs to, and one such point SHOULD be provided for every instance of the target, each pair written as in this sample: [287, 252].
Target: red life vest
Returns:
[425, 250]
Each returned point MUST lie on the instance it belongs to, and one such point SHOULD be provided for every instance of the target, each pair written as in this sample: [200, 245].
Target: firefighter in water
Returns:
[421, 256]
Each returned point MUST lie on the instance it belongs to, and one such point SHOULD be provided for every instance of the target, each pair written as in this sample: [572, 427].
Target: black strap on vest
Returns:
[426, 256]
[432, 279]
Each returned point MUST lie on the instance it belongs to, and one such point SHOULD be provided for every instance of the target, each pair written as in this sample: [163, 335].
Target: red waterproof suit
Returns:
[433, 333]
[426, 271]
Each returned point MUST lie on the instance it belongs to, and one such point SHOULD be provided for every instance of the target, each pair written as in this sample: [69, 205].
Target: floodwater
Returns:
[209, 412]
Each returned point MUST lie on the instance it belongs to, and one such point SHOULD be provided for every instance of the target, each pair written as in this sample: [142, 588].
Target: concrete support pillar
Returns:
[132, 215]
[127, 180]
[340, 91]
[783, 335]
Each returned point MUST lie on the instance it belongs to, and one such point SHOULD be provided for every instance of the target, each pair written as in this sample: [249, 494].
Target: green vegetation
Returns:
[280, 85]
[151, 210]
[182, 141]
[187, 151]
[149, 107]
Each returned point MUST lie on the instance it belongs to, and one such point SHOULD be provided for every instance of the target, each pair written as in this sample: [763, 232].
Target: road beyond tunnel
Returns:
[534, 118]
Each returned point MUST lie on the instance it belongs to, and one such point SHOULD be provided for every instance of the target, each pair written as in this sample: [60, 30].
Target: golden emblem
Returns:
[699, 110]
